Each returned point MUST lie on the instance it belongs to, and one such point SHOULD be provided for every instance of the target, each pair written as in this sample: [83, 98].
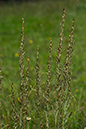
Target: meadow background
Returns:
[42, 22]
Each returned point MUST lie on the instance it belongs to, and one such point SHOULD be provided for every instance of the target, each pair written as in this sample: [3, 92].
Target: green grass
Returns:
[42, 21]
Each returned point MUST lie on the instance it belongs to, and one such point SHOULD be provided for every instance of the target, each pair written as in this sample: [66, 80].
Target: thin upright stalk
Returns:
[48, 82]
[25, 102]
[59, 53]
[58, 75]
[21, 64]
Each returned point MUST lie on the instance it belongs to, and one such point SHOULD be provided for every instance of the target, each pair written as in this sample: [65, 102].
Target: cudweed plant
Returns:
[47, 114]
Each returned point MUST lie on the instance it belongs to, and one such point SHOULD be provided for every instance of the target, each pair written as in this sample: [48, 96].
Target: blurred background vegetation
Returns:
[37, 0]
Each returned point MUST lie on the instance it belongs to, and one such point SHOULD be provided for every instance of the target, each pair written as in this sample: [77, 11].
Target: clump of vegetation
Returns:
[38, 105]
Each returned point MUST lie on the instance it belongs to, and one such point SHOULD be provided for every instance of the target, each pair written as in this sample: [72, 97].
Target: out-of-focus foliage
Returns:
[20, 0]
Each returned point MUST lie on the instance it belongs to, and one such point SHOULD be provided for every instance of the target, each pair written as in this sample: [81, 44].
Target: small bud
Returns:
[28, 118]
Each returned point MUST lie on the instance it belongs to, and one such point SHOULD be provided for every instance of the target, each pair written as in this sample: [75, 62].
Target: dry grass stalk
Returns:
[67, 64]
[59, 53]
[21, 61]
[37, 93]
[20, 121]
[58, 74]
[63, 85]
[37, 84]
[26, 95]
[67, 75]
[48, 82]
[15, 116]
[49, 71]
